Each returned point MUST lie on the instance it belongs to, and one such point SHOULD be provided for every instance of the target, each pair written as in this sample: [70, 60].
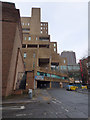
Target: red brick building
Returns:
[12, 62]
[84, 70]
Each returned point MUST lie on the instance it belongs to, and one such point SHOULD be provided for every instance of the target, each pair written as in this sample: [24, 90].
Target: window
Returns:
[38, 73]
[44, 38]
[24, 64]
[64, 61]
[54, 45]
[41, 24]
[41, 28]
[22, 23]
[62, 77]
[25, 23]
[33, 64]
[25, 55]
[48, 75]
[36, 38]
[43, 46]
[41, 73]
[28, 24]
[31, 46]
[26, 29]
[23, 46]
[61, 67]
[46, 31]
[41, 32]
[64, 67]
[70, 67]
[34, 55]
[54, 49]
[55, 76]
[29, 38]
[24, 38]
[46, 28]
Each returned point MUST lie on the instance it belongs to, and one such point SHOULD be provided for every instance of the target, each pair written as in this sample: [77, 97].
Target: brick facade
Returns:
[11, 42]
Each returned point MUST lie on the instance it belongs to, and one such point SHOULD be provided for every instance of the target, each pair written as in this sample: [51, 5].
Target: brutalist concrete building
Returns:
[43, 65]
[71, 57]
[72, 67]
[12, 61]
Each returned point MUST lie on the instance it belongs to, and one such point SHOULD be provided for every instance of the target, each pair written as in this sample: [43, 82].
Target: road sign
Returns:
[39, 77]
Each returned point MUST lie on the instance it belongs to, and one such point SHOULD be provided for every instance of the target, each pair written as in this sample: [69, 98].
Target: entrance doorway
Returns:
[43, 84]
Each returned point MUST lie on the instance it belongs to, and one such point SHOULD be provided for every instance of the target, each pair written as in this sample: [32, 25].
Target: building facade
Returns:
[88, 71]
[84, 67]
[71, 57]
[73, 68]
[12, 61]
[40, 54]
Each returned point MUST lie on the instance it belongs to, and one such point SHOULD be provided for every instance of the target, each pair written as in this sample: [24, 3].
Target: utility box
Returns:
[30, 93]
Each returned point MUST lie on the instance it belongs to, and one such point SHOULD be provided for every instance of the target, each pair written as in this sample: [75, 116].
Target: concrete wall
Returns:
[11, 41]
[37, 30]
[30, 80]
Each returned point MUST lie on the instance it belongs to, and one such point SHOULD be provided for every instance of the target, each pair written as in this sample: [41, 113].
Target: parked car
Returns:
[84, 87]
[71, 87]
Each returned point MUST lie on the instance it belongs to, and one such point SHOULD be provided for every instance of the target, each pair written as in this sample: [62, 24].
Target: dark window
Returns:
[44, 38]
[41, 73]
[41, 46]
[23, 46]
[31, 46]
[26, 29]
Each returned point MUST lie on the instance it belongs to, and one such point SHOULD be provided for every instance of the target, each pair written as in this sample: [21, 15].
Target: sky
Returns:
[68, 23]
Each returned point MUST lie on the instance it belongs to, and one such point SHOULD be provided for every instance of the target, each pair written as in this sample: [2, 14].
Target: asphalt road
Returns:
[52, 103]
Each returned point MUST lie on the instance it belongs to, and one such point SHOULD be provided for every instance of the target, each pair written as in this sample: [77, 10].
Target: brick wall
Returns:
[30, 80]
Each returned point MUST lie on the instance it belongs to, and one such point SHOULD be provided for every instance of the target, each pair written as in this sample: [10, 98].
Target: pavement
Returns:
[20, 99]
[51, 103]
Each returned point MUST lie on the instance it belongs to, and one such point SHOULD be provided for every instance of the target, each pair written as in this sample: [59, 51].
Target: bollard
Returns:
[30, 93]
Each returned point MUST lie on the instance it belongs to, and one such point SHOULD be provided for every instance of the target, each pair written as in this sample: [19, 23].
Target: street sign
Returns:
[39, 77]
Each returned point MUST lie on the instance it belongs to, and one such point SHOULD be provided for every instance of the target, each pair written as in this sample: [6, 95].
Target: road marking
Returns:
[23, 114]
[22, 107]
[66, 110]
[53, 101]
[20, 115]
[12, 108]
[58, 101]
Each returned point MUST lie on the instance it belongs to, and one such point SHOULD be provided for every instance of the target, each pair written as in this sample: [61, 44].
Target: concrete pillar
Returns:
[35, 84]
[50, 63]
[30, 80]
[50, 85]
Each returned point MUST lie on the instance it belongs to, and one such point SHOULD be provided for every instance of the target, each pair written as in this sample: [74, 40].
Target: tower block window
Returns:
[31, 46]
[23, 45]
[25, 55]
[43, 62]
[29, 38]
[44, 38]
[43, 46]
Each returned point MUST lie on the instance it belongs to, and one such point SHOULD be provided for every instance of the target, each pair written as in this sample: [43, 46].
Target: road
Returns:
[51, 103]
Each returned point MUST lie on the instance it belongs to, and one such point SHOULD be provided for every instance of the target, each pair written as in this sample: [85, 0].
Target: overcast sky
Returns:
[68, 23]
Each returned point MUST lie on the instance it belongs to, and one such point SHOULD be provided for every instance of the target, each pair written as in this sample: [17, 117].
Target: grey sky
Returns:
[68, 23]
